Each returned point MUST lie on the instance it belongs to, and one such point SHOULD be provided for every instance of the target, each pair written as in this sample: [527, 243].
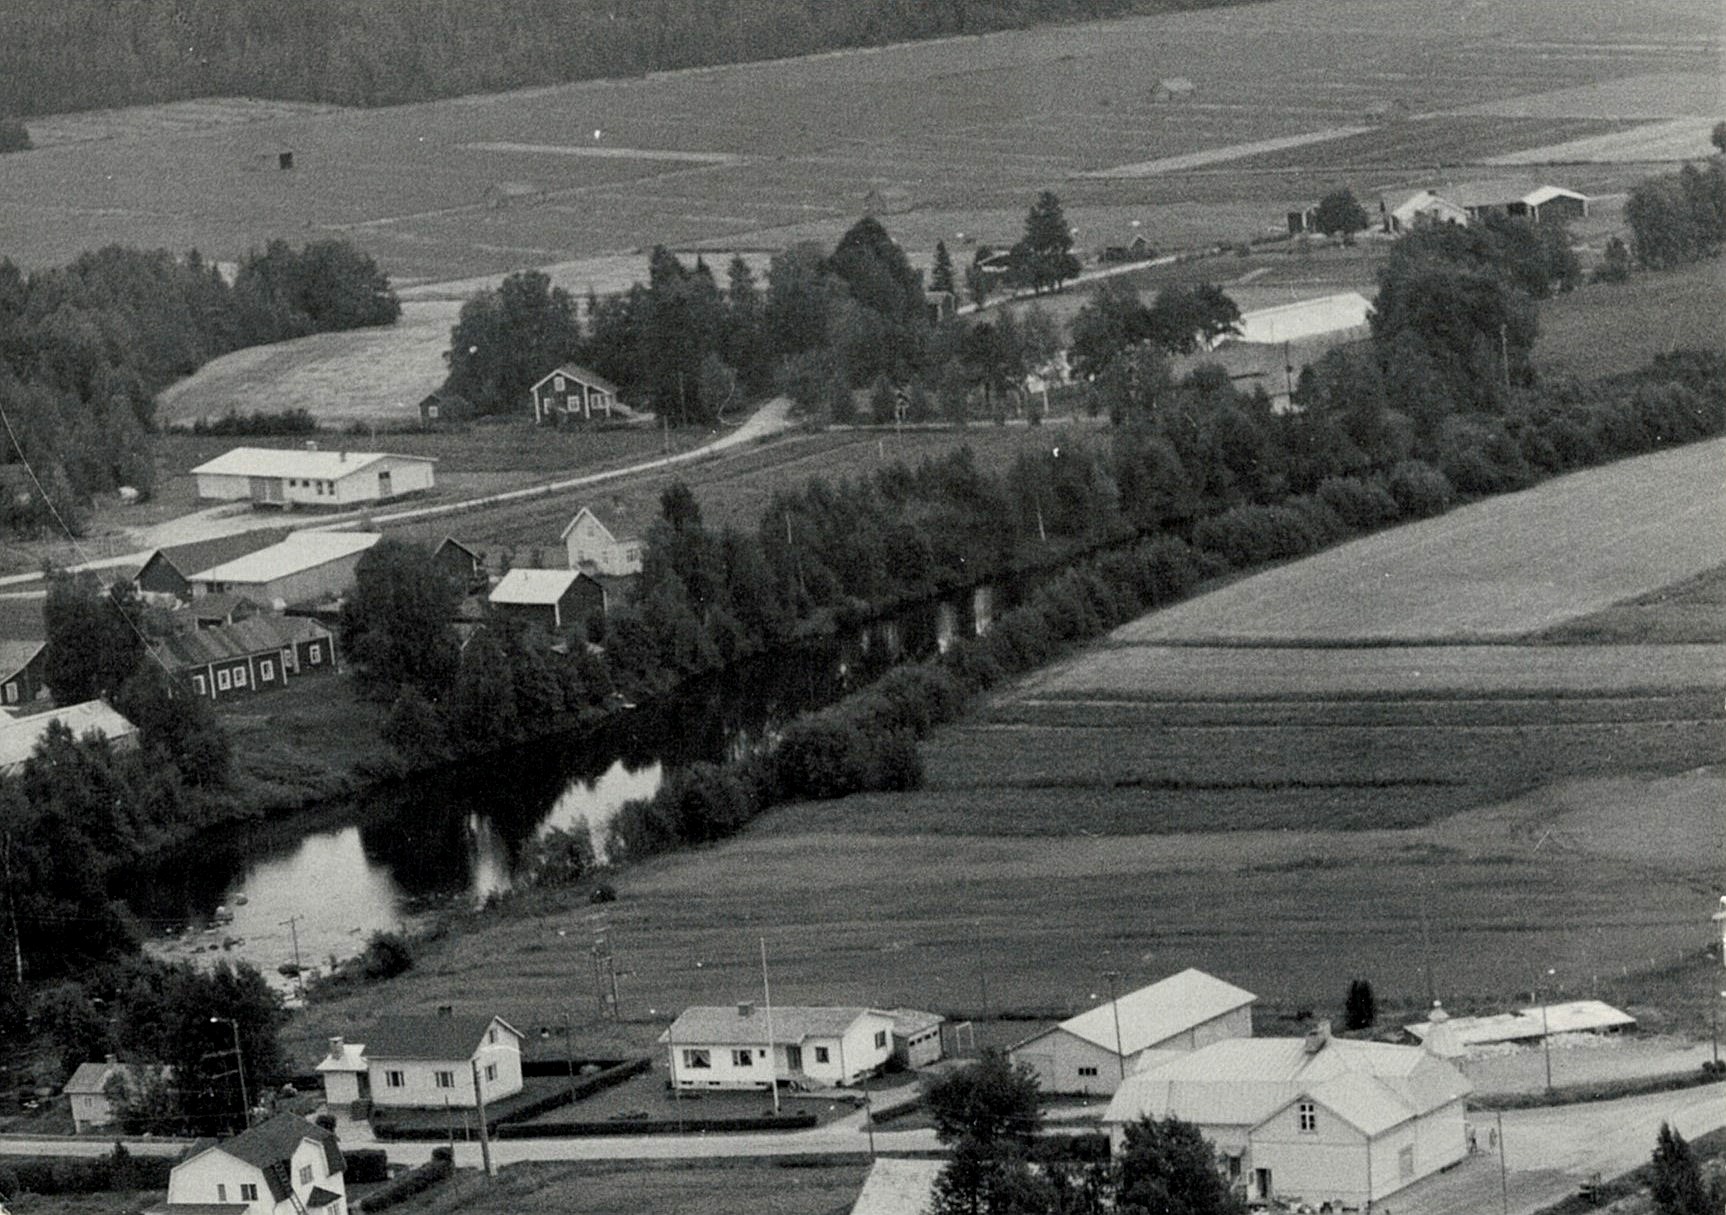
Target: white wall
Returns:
[220, 488]
[196, 1181]
[1439, 1139]
[91, 1110]
[589, 541]
[406, 477]
[1057, 1056]
[1235, 1024]
[341, 1088]
[419, 1077]
[859, 1054]
[1323, 1164]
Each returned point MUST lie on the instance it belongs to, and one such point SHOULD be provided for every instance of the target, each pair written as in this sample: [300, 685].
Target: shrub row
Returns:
[119, 1170]
[431, 1126]
[415, 1181]
[364, 1166]
[800, 1121]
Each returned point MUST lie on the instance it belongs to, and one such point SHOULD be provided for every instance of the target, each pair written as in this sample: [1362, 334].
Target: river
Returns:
[318, 886]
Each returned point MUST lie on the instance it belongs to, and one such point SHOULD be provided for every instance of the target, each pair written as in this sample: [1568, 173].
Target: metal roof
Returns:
[188, 559]
[297, 462]
[256, 635]
[296, 553]
[16, 655]
[1305, 318]
[791, 1023]
[434, 1038]
[1243, 1081]
[353, 1059]
[1154, 1014]
[908, 1021]
[19, 735]
[1527, 1024]
[538, 587]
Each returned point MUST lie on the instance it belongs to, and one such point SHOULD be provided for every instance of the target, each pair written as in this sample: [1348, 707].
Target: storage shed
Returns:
[550, 599]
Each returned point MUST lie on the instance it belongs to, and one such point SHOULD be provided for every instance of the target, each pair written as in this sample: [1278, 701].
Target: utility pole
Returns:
[1426, 947]
[767, 999]
[293, 926]
[982, 974]
[1545, 1030]
[484, 1132]
[1503, 1169]
[1113, 976]
[1504, 357]
[239, 1067]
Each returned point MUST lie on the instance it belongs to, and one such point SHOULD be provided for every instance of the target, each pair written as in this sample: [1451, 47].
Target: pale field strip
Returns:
[601, 151]
[1649, 95]
[1124, 674]
[1214, 156]
[1674, 139]
[167, 118]
[1494, 569]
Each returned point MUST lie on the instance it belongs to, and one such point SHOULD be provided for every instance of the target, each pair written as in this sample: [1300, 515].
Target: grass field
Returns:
[1498, 568]
[961, 127]
[1607, 328]
[759, 1188]
[1689, 612]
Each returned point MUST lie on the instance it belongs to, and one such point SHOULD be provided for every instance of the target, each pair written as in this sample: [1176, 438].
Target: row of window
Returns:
[321, 487]
[228, 678]
[443, 1079]
[699, 1059]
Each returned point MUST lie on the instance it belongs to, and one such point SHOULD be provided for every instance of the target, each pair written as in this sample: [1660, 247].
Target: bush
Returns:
[13, 135]
[411, 1183]
[88, 1175]
[284, 422]
[366, 1165]
[1360, 504]
[1253, 535]
[387, 955]
[1420, 489]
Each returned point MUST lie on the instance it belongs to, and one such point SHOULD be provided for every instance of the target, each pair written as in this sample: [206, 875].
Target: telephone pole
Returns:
[484, 1131]
[292, 923]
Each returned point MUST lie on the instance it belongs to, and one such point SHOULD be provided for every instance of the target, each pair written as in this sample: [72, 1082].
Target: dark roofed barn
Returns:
[255, 655]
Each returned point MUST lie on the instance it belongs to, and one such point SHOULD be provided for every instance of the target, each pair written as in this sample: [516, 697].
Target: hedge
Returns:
[415, 1181]
[800, 1121]
[365, 1165]
[428, 1126]
[119, 1170]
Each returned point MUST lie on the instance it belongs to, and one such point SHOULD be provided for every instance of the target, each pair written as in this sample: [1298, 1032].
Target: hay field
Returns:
[378, 374]
[1493, 569]
[1605, 328]
[1674, 139]
[973, 125]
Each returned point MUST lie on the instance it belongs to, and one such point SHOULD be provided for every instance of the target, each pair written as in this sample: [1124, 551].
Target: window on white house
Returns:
[880, 1037]
[444, 1079]
[305, 1174]
[221, 1192]
[491, 1035]
[821, 1054]
[266, 671]
[743, 1058]
[223, 681]
[1087, 1071]
[248, 1192]
[491, 1071]
[394, 1080]
[239, 677]
[1307, 1113]
[698, 1059]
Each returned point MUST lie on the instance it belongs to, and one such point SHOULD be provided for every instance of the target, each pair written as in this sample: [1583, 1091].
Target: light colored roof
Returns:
[543, 587]
[1499, 192]
[897, 1186]
[908, 1021]
[791, 1023]
[1545, 194]
[353, 1059]
[92, 1078]
[16, 655]
[614, 527]
[1567, 1017]
[297, 462]
[1152, 1015]
[1305, 318]
[1242, 1081]
[297, 552]
[575, 371]
[19, 735]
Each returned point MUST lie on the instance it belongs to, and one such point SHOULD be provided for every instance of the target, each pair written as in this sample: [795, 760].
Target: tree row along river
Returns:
[324, 881]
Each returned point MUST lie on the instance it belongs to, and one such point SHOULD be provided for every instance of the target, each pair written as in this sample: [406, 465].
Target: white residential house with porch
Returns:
[284, 1166]
[728, 1047]
[1180, 1013]
[425, 1062]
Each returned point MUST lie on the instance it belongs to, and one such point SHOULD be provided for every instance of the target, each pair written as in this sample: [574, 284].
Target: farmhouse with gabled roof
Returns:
[430, 1061]
[602, 544]
[283, 1166]
[570, 391]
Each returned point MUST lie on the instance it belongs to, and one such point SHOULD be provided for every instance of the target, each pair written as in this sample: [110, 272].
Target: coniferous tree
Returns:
[941, 274]
[1043, 259]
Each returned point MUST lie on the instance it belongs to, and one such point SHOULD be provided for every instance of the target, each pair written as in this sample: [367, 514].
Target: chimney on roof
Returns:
[311, 444]
[1438, 1016]
[343, 456]
[336, 1047]
[1317, 1038]
[111, 1058]
[446, 1010]
[745, 1008]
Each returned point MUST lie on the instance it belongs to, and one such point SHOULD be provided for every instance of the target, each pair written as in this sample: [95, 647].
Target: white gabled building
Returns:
[727, 1047]
[20, 734]
[305, 567]
[1338, 316]
[284, 1166]
[601, 547]
[1310, 1120]
[1180, 1013]
[428, 1062]
[287, 477]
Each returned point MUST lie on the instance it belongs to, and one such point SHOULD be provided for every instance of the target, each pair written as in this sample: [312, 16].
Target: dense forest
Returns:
[382, 52]
[85, 348]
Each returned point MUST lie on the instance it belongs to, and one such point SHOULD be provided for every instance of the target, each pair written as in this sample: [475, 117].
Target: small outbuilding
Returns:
[460, 564]
[444, 408]
[20, 734]
[21, 679]
[88, 1092]
[549, 599]
[916, 1036]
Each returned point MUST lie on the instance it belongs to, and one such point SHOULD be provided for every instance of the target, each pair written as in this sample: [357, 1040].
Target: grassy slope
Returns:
[1602, 329]
[665, 1189]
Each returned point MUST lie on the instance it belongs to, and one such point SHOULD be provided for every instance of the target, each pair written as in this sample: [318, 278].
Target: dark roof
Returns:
[444, 396]
[220, 606]
[432, 1038]
[576, 371]
[258, 635]
[452, 542]
[270, 1146]
[21, 618]
[320, 1197]
[200, 555]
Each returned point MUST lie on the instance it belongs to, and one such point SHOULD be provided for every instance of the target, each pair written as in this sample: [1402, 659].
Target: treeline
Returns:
[1680, 217]
[85, 348]
[383, 52]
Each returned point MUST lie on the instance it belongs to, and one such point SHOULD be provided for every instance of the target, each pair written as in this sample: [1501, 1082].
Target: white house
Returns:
[285, 1166]
[1183, 1012]
[1422, 208]
[430, 1062]
[345, 1075]
[19, 735]
[1308, 1120]
[287, 477]
[87, 1092]
[602, 547]
[305, 567]
[727, 1047]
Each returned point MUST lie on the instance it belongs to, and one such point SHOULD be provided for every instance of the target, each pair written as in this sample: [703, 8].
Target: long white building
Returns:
[289, 477]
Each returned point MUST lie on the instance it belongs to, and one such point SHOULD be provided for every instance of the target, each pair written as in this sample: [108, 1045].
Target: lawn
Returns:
[1607, 328]
[966, 126]
[1692, 611]
[664, 1188]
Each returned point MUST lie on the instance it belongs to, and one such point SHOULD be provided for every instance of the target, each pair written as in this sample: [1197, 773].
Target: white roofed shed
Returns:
[287, 477]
